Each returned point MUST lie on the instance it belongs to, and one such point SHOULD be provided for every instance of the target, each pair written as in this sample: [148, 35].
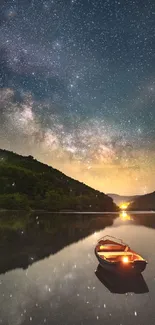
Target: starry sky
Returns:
[77, 88]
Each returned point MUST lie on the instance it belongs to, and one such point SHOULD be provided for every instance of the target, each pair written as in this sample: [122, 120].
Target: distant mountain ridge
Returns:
[119, 199]
[26, 183]
[143, 203]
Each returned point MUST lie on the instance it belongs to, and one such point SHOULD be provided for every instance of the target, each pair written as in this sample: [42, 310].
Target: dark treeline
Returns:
[143, 203]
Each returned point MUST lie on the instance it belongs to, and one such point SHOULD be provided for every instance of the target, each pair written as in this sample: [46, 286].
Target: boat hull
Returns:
[117, 267]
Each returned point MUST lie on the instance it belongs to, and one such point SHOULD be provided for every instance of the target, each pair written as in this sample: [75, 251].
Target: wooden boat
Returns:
[114, 255]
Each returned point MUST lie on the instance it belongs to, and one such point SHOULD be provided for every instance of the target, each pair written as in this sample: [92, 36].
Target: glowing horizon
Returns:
[76, 100]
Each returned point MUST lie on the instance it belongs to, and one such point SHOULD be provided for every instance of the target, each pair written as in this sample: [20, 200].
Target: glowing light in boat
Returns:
[125, 259]
[101, 247]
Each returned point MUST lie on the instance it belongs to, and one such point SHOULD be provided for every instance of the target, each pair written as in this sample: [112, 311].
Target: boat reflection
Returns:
[116, 283]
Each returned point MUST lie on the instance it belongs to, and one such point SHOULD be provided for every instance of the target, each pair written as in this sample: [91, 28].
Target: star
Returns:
[77, 86]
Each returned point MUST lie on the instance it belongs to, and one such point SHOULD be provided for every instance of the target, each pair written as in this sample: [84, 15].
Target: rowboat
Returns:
[116, 256]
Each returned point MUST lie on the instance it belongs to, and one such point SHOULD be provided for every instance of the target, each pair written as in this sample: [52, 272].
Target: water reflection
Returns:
[139, 218]
[124, 215]
[144, 219]
[61, 287]
[116, 283]
[27, 238]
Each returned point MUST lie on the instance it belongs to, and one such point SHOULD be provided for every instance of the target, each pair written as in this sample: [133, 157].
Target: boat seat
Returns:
[110, 248]
[108, 254]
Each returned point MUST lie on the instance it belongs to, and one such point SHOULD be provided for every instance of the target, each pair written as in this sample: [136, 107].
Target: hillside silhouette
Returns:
[26, 183]
[143, 203]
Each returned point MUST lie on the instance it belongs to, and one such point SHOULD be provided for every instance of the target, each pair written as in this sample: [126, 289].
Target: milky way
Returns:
[77, 88]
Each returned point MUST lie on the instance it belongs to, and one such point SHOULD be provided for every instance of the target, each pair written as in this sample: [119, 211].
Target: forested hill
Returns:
[26, 183]
[144, 203]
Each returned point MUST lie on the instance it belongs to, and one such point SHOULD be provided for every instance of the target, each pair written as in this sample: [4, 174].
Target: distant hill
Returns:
[143, 203]
[119, 199]
[26, 183]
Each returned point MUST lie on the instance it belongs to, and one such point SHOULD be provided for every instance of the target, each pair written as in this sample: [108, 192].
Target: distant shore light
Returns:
[124, 205]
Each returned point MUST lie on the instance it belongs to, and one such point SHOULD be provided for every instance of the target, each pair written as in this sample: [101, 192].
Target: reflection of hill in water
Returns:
[147, 220]
[140, 219]
[26, 239]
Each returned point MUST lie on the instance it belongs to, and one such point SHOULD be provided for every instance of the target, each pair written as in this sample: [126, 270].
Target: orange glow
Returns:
[125, 216]
[101, 247]
[125, 259]
[124, 206]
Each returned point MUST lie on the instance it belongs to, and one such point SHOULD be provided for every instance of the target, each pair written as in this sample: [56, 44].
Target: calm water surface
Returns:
[52, 277]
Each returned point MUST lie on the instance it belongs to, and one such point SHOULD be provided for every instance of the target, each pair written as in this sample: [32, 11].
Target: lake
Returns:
[50, 275]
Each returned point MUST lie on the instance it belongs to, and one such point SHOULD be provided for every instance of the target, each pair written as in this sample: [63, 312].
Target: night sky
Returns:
[77, 88]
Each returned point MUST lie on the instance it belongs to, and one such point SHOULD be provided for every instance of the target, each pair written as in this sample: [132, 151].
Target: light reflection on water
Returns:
[124, 215]
[64, 289]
